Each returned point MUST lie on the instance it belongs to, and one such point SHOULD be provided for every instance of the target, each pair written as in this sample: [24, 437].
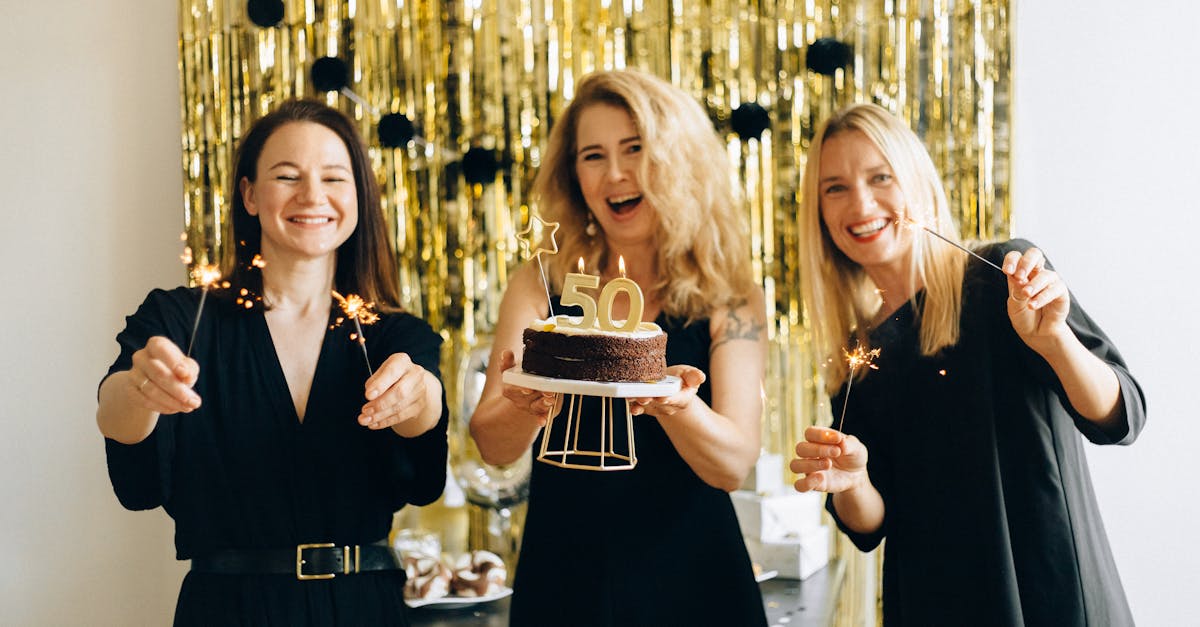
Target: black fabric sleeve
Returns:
[140, 473]
[418, 467]
[1133, 400]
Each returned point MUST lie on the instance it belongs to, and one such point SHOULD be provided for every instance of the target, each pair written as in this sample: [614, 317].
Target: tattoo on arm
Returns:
[737, 328]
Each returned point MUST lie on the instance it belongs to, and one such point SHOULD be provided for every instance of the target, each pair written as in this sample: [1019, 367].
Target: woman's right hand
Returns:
[830, 461]
[162, 378]
[537, 405]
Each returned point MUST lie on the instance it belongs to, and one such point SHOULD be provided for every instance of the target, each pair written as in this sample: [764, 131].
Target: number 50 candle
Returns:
[576, 281]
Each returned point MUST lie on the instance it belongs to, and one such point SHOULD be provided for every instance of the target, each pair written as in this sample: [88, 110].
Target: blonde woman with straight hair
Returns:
[634, 169]
[973, 413]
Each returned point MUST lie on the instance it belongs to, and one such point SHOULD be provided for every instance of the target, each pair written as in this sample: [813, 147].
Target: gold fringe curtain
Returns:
[483, 79]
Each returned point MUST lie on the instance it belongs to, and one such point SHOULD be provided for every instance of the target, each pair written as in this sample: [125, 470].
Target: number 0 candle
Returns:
[636, 302]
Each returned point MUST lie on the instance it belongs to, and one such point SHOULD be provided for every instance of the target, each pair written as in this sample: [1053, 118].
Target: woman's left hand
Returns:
[662, 406]
[395, 393]
[1038, 300]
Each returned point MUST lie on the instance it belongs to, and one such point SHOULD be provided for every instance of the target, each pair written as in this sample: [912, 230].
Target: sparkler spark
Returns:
[909, 222]
[856, 358]
[361, 313]
[207, 276]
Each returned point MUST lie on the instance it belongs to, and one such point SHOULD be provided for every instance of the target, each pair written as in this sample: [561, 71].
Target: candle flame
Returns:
[356, 308]
[621, 264]
[580, 265]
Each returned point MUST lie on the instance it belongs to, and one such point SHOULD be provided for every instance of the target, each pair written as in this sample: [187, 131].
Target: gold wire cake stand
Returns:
[570, 454]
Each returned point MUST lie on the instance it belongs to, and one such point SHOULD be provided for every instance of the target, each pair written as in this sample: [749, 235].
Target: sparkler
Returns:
[526, 237]
[856, 358]
[360, 312]
[909, 222]
[245, 297]
[207, 276]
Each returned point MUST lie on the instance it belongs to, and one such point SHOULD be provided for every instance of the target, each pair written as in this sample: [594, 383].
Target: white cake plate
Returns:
[667, 386]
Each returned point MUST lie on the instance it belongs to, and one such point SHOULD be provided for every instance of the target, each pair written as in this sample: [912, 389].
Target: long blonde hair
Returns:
[702, 247]
[839, 296]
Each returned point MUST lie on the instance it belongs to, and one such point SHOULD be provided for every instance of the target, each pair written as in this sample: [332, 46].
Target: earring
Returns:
[590, 229]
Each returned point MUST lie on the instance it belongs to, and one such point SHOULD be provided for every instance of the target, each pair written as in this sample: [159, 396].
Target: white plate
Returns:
[618, 389]
[449, 603]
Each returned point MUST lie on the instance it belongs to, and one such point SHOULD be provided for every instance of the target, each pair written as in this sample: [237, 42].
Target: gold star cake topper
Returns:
[526, 236]
[526, 239]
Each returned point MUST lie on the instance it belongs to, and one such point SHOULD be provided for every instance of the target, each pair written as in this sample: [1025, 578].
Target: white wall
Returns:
[1106, 167]
[89, 173]
[1107, 151]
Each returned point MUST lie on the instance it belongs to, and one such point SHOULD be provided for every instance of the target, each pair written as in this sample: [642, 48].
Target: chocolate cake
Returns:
[553, 349]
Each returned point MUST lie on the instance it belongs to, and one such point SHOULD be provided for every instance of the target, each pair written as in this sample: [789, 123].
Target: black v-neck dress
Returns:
[650, 546]
[242, 472]
[990, 514]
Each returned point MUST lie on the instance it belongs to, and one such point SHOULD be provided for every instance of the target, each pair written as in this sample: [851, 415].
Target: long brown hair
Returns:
[366, 264]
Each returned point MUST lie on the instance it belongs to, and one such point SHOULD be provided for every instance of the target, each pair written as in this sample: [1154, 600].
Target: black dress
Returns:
[242, 472]
[990, 517]
[650, 546]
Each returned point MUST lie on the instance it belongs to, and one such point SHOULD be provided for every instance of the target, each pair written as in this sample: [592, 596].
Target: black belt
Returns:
[305, 561]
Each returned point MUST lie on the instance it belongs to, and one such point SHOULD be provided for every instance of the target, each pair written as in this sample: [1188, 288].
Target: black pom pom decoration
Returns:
[265, 13]
[826, 55]
[479, 166]
[330, 74]
[395, 130]
[749, 120]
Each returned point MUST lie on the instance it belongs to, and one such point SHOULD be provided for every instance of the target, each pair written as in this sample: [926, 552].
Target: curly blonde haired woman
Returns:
[634, 169]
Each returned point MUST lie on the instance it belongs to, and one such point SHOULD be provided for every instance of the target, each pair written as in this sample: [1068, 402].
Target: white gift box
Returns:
[777, 518]
[793, 559]
[766, 478]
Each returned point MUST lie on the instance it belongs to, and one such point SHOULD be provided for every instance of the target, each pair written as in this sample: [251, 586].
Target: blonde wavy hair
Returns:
[840, 298]
[702, 246]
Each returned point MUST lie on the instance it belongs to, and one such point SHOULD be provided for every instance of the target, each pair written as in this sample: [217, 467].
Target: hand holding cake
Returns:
[536, 404]
[692, 379]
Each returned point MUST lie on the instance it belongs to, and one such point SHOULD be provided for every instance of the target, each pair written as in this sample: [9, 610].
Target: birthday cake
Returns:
[554, 348]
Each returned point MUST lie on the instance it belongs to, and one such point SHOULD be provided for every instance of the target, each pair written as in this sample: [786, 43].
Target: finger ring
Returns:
[143, 384]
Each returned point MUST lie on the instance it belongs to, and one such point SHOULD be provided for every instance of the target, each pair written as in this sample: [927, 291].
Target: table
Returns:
[788, 602]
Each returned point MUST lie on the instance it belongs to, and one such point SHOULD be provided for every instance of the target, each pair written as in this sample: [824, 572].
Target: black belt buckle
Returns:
[346, 569]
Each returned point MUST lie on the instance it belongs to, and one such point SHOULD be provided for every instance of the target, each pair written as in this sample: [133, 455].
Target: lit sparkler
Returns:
[855, 359]
[360, 312]
[909, 222]
[526, 239]
[208, 276]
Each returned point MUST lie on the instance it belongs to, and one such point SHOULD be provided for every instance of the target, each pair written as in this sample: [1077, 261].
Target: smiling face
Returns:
[303, 193]
[861, 202]
[607, 162]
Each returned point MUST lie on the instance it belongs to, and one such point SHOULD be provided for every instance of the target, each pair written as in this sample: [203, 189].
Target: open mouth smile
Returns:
[624, 204]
